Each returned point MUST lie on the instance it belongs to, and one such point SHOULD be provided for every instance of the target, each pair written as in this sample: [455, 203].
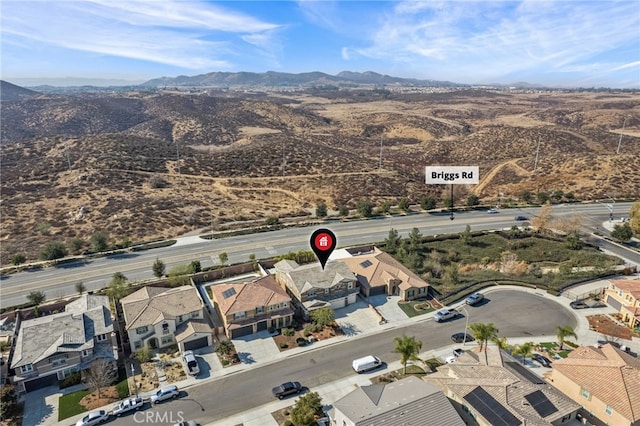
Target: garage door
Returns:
[195, 344]
[613, 302]
[41, 382]
[242, 331]
[378, 290]
[262, 325]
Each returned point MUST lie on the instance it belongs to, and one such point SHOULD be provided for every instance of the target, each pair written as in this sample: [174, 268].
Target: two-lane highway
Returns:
[95, 273]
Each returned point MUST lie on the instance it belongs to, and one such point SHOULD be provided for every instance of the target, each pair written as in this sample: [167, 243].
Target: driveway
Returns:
[41, 406]
[258, 347]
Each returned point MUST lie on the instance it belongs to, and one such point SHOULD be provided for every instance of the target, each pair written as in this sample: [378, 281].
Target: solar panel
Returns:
[228, 292]
[525, 372]
[541, 403]
[366, 263]
[487, 406]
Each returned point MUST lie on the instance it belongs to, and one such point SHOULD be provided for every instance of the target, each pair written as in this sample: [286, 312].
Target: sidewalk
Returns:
[330, 392]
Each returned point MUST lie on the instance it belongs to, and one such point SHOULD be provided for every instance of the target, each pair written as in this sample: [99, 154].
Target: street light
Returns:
[466, 324]
[133, 377]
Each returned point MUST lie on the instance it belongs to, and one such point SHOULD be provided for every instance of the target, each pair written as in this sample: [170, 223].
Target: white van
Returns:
[367, 363]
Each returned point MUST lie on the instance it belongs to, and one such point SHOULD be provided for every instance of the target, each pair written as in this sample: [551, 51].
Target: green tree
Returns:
[404, 205]
[75, 245]
[414, 241]
[143, 354]
[392, 242]
[473, 200]
[195, 266]
[118, 277]
[563, 332]
[224, 347]
[321, 209]
[304, 411]
[53, 250]
[224, 257]
[18, 259]
[36, 297]
[622, 232]
[99, 241]
[525, 350]
[364, 208]
[452, 274]
[385, 207]
[428, 203]
[466, 236]
[408, 348]
[483, 333]
[501, 343]
[526, 197]
[322, 317]
[117, 287]
[80, 288]
[542, 198]
[158, 268]
[343, 211]
[573, 241]
[8, 402]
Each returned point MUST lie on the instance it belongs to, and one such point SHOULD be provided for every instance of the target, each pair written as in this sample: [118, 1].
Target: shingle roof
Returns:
[151, 305]
[375, 269]
[310, 276]
[506, 386]
[191, 327]
[70, 331]
[407, 402]
[630, 286]
[264, 291]
[610, 374]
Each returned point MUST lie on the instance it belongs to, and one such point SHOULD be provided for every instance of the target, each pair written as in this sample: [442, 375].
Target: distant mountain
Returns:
[271, 78]
[11, 92]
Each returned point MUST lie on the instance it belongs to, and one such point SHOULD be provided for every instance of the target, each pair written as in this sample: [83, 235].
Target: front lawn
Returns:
[416, 307]
[69, 405]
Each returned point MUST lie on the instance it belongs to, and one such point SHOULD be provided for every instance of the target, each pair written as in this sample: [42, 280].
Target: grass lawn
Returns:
[552, 348]
[123, 385]
[416, 307]
[69, 405]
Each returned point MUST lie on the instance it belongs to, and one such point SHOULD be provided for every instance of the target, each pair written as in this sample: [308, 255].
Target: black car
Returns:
[521, 218]
[578, 304]
[542, 360]
[460, 338]
[286, 389]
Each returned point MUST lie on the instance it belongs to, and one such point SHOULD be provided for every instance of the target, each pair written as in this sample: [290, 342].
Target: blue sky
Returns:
[562, 43]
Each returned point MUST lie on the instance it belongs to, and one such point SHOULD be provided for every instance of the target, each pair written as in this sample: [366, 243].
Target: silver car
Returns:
[165, 393]
[93, 418]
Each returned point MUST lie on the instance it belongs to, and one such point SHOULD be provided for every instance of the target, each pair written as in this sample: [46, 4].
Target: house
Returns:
[410, 401]
[50, 348]
[379, 273]
[491, 388]
[159, 317]
[624, 295]
[246, 308]
[604, 380]
[312, 288]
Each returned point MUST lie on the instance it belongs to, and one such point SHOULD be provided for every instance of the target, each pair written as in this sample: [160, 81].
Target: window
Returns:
[166, 339]
[142, 330]
[26, 368]
[195, 314]
[350, 285]
[585, 394]
[608, 410]
[59, 360]
[137, 344]
[259, 309]
[422, 290]
[326, 291]
[619, 292]
[565, 418]
[410, 293]
[285, 304]
[179, 318]
[165, 328]
[85, 353]
[239, 315]
[101, 337]
[311, 294]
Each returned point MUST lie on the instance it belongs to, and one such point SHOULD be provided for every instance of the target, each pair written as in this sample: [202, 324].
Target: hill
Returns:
[143, 165]
[11, 92]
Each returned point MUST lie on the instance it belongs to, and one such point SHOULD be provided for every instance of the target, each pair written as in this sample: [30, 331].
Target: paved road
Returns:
[515, 313]
[96, 273]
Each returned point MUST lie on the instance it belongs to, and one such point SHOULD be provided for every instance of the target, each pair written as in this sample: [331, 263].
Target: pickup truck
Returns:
[191, 362]
[126, 405]
[286, 389]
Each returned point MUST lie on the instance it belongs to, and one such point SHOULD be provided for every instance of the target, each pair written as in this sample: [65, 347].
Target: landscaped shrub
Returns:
[70, 380]
[283, 345]
[286, 331]
[301, 341]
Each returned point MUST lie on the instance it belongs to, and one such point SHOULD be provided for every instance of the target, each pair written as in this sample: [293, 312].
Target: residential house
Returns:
[604, 380]
[410, 401]
[50, 348]
[246, 308]
[159, 317]
[624, 295]
[491, 388]
[311, 287]
[379, 273]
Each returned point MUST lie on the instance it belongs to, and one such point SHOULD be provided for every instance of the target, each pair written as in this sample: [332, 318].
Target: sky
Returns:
[565, 43]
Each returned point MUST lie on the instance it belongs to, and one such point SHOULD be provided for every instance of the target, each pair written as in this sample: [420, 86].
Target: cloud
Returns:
[192, 34]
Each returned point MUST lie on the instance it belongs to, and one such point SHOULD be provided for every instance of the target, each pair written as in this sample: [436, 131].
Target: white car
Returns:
[191, 362]
[93, 418]
[492, 211]
[165, 393]
[445, 314]
[129, 404]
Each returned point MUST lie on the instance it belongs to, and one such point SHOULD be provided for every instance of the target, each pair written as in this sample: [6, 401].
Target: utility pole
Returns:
[535, 164]
[178, 155]
[380, 165]
[451, 202]
[621, 132]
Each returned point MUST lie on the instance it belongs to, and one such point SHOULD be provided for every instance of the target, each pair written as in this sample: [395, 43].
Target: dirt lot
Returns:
[604, 325]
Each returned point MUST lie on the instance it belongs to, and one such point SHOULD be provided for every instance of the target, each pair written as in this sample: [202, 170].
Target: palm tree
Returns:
[483, 333]
[525, 350]
[501, 343]
[408, 348]
[563, 333]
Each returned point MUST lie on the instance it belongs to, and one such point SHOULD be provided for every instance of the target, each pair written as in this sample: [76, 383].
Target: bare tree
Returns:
[100, 374]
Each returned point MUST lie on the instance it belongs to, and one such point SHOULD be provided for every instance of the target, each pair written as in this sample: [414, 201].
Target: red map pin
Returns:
[322, 242]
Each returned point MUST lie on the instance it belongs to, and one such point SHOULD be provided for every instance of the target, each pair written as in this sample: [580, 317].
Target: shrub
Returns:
[288, 331]
[301, 341]
[71, 380]
[283, 345]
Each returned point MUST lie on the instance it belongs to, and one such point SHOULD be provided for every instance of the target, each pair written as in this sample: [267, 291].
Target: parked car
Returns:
[93, 418]
[129, 404]
[167, 392]
[286, 389]
[474, 298]
[542, 360]
[445, 314]
[578, 304]
[187, 423]
[457, 352]
[521, 218]
[191, 362]
[450, 359]
[596, 304]
[461, 338]
[492, 211]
